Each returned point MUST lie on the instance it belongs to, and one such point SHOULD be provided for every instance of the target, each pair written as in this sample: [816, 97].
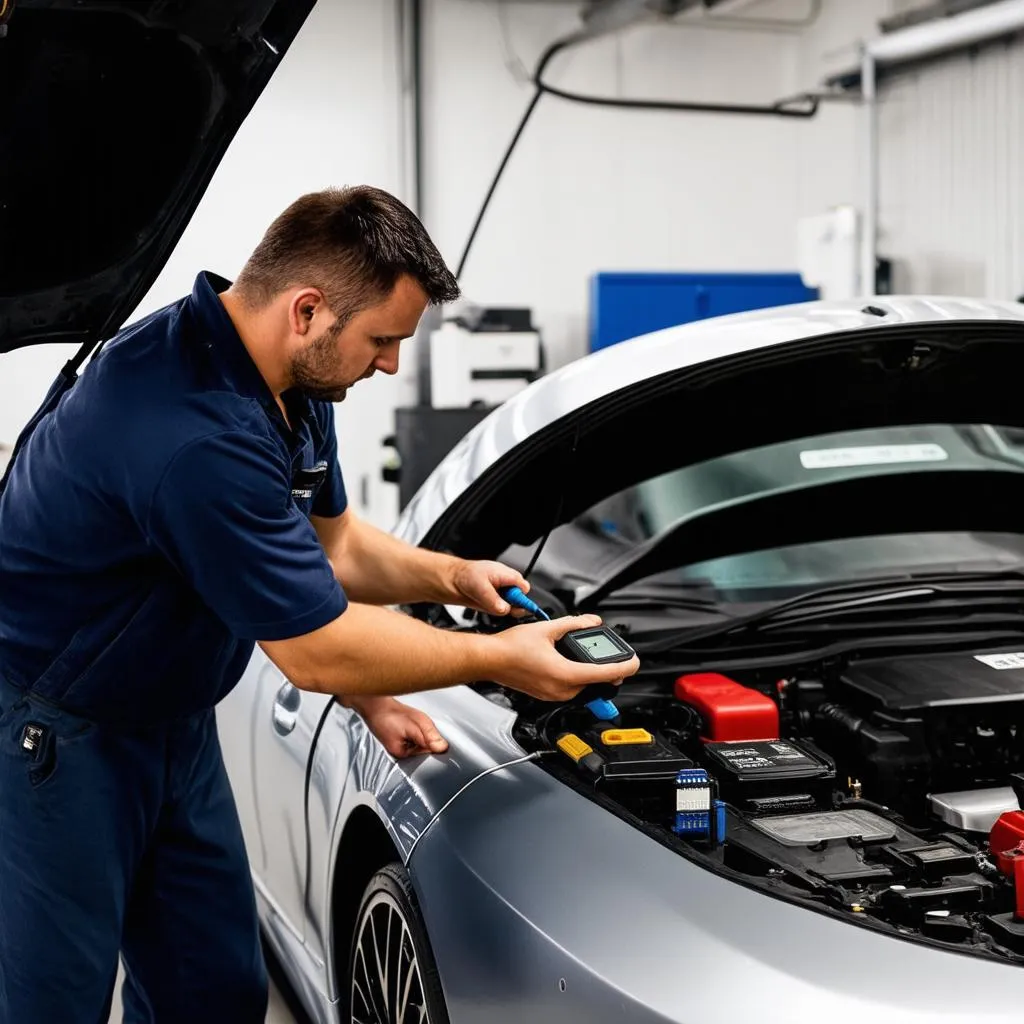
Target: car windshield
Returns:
[638, 513]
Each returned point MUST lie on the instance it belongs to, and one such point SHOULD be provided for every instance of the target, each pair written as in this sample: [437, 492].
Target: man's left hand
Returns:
[403, 731]
[476, 585]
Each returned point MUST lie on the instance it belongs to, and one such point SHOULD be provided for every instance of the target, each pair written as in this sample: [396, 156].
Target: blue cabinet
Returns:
[624, 305]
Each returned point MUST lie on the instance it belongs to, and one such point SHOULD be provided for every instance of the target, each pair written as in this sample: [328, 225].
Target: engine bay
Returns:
[886, 790]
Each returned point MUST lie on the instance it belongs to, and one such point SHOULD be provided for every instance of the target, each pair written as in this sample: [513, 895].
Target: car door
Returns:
[237, 723]
[285, 721]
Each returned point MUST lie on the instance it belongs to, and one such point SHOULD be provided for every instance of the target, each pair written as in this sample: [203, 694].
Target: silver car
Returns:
[807, 523]
[806, 805]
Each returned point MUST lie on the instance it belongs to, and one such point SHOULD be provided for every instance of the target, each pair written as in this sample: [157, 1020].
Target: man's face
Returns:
[335, 359]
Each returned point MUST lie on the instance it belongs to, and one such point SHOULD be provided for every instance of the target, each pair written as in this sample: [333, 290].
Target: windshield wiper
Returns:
[697, 595]
[914, 592]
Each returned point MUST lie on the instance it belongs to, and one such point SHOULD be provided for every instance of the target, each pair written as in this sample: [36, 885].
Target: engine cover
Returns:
[907, 727]
[917, 685]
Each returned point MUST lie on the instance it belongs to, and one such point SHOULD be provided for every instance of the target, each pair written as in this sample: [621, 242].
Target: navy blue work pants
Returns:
[115, 840]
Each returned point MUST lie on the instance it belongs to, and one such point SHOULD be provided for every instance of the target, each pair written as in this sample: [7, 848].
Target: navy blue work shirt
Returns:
[156, 523]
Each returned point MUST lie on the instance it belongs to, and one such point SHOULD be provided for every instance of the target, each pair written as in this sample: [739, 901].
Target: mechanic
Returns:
[180, 503]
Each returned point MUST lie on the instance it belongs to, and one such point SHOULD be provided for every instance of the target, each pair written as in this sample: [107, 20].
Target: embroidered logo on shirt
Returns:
[305, 482]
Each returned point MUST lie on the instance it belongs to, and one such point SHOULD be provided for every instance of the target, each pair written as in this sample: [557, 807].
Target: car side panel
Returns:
[237, 723]
[525, 883]
[352, 770]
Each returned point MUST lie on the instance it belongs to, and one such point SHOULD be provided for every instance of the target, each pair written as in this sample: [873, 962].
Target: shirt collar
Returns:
[233, 357]
[223, 340]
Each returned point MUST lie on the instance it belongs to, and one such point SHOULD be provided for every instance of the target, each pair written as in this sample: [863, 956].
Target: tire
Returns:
[414, 994]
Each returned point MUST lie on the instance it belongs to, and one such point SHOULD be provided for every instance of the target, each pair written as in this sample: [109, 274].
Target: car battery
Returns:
[771, 776]
[635, 767]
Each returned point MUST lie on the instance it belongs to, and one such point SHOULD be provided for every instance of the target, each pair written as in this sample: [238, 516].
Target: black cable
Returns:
[540, 547]
[782, 108]
[554, 48]
[305, 799]
[417, 99]
[523, 121]
[494, 183]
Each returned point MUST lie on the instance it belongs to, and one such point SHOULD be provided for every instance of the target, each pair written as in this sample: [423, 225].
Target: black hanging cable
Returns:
[802, 107]
[306, 786]
[550, 52]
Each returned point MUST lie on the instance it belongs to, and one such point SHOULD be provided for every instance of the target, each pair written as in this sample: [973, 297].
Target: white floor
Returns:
[277, 1012]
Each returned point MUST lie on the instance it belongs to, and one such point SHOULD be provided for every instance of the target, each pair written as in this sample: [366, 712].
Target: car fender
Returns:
[351, 770]
[566, 909]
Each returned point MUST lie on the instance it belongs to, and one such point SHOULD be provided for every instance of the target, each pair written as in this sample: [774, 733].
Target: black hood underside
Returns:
[116, 116]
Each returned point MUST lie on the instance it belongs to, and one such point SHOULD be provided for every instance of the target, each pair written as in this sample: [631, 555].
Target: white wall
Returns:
[25, 374]
[951, 167]
[598, 189]
[951, 138]
[830, 167]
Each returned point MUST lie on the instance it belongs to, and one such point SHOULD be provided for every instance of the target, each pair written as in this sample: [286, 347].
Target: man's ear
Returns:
[303, 308]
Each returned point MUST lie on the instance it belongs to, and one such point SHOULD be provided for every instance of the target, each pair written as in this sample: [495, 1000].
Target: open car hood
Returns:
[713, 388]
[116, 114]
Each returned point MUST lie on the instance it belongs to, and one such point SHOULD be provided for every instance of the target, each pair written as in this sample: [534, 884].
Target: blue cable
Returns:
[518, 599]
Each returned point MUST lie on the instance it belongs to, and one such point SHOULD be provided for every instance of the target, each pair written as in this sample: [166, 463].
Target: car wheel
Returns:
[392, 973]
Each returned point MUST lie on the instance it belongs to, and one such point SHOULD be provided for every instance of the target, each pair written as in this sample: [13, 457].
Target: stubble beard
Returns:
[310, 370]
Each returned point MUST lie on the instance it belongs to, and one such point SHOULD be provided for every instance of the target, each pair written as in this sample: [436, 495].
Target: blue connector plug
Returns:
[719, 807]
[518, 599]
[603, 710]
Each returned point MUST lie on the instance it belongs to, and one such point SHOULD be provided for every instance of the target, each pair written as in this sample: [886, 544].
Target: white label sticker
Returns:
[872, 455]
[1001, 661]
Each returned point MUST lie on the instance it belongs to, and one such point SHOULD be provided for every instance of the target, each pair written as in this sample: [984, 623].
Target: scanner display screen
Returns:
[598, 646]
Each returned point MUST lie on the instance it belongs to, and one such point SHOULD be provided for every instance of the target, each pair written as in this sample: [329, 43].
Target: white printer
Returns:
[483, 356]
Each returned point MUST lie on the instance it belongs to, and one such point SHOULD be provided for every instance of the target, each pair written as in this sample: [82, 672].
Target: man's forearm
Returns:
[371, 651]
[368, 651]
[377, 568]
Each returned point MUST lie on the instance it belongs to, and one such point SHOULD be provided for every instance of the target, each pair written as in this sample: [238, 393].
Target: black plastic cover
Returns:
[919, 683]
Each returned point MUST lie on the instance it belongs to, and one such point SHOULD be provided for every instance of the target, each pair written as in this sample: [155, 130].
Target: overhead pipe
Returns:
[869, 237]
[416, 31]
[728, 7]
[709, 18]
[945, 34]
[601, 17]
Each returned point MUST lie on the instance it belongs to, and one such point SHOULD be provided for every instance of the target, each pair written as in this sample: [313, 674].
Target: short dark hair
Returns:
[353, 244]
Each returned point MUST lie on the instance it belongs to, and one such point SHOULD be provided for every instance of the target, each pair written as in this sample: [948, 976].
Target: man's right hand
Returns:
[530, 663]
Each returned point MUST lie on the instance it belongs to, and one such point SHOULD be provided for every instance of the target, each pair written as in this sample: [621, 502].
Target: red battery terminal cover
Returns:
[1006, 841]
[731, 712]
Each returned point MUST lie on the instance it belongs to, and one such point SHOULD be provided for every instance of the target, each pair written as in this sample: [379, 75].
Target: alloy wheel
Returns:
[387, 984]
